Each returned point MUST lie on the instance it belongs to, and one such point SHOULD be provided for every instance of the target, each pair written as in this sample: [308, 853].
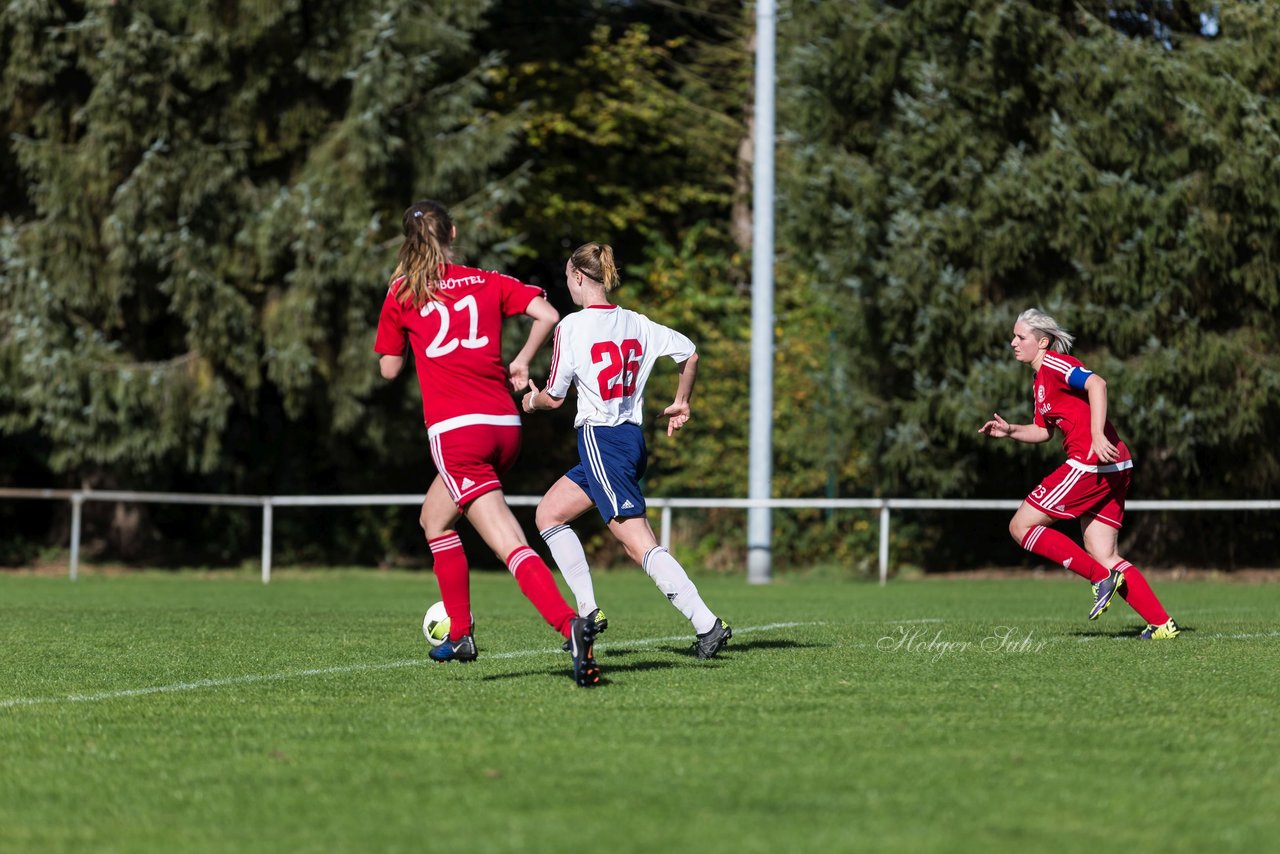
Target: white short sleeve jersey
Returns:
[609, 353]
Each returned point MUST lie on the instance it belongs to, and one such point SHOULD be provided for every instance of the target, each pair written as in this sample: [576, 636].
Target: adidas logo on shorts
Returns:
[627, 505]
[467, 483]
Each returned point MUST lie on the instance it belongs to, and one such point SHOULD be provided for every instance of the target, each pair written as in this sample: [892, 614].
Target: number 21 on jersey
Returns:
[442, 344]
[618, 376]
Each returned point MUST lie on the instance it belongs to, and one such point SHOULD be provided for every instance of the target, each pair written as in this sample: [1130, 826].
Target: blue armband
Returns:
[1078, 377]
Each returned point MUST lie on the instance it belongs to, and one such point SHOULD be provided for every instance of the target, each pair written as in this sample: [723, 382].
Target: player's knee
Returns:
[543, 518]
[1018, 530]
[1106, 557]
[432, 529]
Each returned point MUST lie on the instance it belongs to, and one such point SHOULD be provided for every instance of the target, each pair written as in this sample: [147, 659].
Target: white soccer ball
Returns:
[435, 625]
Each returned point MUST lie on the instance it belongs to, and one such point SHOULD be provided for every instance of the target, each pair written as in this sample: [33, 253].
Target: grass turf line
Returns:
[880, 723]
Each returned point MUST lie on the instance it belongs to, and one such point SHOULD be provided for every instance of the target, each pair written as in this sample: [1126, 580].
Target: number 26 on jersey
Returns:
[618, 376]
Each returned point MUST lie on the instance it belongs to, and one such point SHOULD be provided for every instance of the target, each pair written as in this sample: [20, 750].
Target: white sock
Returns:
[673, 581]
[571, 560]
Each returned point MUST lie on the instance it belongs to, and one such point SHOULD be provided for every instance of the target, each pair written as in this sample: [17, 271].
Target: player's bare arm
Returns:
[678, 412]
[545, 317]
[535, 400]
[391, 366]
[998, 428]
[1106, 451]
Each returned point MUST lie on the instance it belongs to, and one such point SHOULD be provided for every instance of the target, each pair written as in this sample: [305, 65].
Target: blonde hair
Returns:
[428, 231]
[1060, 340]
[596, 261]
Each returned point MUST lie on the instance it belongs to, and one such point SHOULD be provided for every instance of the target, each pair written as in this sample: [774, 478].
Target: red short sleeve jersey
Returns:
[456, 341]
[1061, 403]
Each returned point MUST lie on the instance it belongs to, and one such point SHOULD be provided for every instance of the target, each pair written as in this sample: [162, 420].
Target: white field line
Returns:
[253, 678]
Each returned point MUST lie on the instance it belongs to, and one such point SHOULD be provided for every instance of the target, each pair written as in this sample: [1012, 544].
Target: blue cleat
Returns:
[463, 649]
[1104, 590]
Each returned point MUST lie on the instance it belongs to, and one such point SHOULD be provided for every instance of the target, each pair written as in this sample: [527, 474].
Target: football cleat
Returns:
[463, 649]
[1104, 590]
[581, 637]
[711, 642]
[1162, 632]
[598, 623]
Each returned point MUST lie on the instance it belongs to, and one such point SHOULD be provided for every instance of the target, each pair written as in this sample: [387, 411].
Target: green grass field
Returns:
[166, 712]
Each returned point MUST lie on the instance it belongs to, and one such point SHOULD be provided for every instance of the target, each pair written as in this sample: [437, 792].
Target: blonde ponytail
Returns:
[596, 261]
[428, 231]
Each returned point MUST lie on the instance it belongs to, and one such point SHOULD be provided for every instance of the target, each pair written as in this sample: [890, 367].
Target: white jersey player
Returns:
[610, 351]
[607, 353]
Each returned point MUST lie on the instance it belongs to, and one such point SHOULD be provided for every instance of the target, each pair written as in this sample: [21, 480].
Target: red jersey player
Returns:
[1090, 486]
[450, 318]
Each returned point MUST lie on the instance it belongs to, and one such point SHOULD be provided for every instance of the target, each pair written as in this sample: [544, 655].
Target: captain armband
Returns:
[1078, 377]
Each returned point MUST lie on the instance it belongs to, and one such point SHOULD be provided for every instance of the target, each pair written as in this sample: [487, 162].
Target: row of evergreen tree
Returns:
[199, 208]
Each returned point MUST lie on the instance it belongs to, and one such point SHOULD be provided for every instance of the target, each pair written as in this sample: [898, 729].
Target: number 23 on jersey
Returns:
[618, 376]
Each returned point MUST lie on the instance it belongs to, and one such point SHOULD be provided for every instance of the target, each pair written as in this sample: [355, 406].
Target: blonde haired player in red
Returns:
[450, 318]
[608, 352]
[1090, 486]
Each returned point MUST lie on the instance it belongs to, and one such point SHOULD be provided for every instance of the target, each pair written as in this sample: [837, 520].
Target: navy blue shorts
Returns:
[613, 460]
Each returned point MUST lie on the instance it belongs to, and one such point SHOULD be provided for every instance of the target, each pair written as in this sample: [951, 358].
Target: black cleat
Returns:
[463, 649]
[581, 637]
[598, 623]
[711, 642]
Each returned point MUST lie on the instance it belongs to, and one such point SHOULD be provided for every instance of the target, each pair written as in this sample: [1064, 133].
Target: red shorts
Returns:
[1072, 493]
[471, 457]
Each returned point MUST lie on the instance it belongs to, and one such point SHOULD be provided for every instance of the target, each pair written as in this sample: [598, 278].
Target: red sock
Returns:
[1141, 598]
[455, 582]
[1059, 548]
[539, 587]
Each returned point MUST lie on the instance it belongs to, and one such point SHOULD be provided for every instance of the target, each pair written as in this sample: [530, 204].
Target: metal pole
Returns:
[884, 544]
[266, 540]
[760, 471]
[77, 503]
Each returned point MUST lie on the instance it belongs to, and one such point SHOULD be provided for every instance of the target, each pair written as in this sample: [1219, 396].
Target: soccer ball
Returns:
[435, 625]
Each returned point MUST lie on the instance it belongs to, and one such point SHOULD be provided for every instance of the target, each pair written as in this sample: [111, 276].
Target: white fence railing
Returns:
[268, 503]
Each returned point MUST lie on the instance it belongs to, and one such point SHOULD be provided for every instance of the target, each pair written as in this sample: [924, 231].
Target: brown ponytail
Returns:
[428, 231]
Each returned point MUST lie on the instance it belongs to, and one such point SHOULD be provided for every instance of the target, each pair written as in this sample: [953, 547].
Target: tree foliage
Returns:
[202, 229]
[999, 155]
[199, 208]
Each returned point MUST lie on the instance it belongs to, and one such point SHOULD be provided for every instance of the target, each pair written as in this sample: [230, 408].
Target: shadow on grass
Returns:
[1131, 632]
[682, 656]
[605, 665]
[766, 643]
[686, 650]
